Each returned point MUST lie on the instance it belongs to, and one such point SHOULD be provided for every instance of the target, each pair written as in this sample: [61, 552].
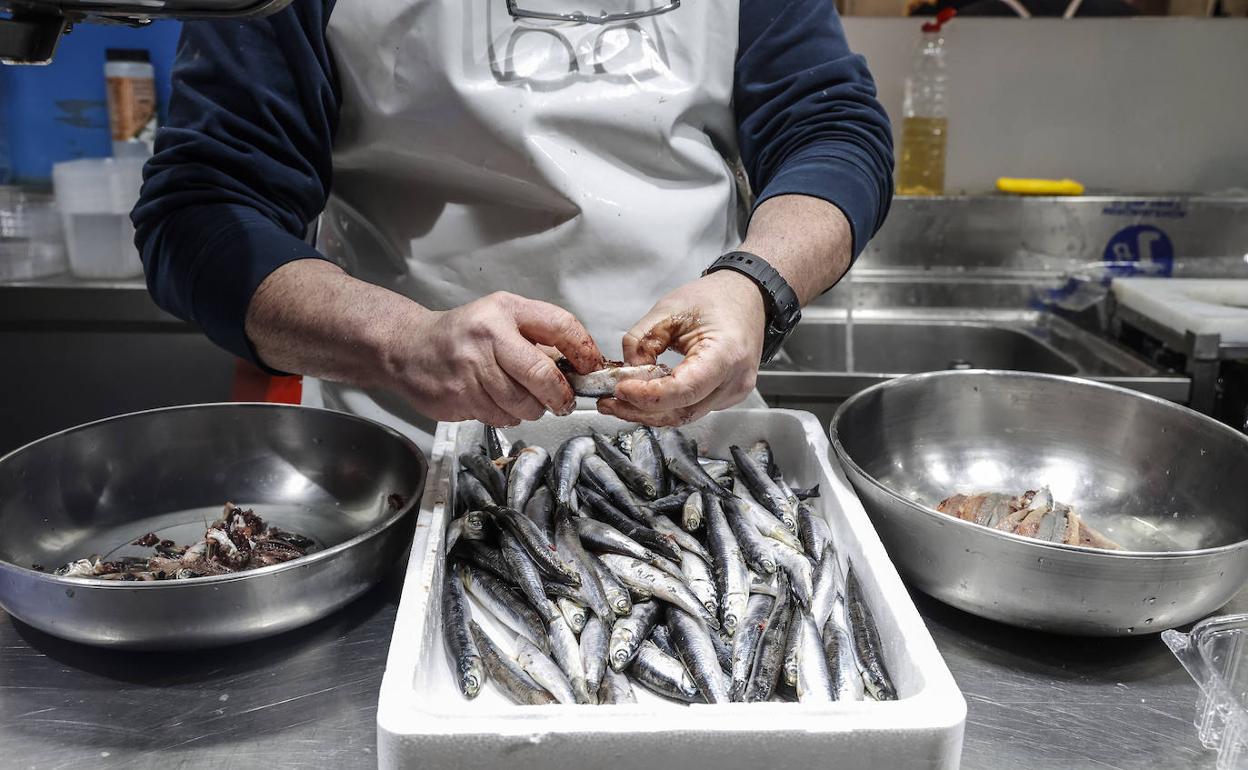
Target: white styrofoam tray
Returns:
[423, 721]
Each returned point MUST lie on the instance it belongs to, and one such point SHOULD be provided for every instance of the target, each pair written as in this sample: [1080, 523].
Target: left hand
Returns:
[718, 323]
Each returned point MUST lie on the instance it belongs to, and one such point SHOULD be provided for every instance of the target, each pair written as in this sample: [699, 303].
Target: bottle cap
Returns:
[942, 19]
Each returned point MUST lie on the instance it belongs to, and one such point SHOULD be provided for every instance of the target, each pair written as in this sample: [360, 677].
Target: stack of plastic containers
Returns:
[31, 244]
[95, 196]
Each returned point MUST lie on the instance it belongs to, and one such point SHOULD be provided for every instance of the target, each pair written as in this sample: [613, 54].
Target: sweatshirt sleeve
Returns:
[808, 121]
[242, 166]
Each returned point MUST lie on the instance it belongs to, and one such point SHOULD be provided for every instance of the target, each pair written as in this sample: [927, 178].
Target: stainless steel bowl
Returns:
[95, 488]
[1166, 483]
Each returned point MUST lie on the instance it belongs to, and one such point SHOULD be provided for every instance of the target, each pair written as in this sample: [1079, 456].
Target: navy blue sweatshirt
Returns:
[244, 163]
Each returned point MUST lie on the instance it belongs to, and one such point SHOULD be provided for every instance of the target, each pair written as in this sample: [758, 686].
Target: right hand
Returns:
[481, 361]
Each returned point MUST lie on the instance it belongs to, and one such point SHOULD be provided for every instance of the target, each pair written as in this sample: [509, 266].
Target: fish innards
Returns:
[610, 563]
[240, 540]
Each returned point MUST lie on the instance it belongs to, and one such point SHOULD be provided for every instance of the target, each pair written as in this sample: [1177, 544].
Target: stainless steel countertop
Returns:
[309, 698]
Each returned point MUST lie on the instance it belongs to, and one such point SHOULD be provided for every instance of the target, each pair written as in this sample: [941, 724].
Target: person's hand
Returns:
[718, 323]
[480, 361]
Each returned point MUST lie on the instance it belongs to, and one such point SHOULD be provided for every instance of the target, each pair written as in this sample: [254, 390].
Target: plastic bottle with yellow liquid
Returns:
[925, 122]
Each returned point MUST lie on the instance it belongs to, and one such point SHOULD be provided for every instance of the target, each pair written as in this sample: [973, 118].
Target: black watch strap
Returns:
[783, 309]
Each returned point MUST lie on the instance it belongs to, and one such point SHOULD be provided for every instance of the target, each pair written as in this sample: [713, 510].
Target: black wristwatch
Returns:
[783, 309]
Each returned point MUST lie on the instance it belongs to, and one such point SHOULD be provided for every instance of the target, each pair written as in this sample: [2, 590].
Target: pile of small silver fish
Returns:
[631, 560]
[1033, 514]
[240, 540]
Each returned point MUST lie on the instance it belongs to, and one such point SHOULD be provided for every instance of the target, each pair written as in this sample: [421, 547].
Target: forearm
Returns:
[311, 317]
[806, 239]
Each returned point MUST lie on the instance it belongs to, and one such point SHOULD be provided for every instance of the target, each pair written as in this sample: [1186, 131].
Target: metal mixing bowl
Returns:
[96, 488]
[1168, 484]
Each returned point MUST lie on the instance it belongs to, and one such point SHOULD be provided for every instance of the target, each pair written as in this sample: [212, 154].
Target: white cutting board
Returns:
[1198, 305]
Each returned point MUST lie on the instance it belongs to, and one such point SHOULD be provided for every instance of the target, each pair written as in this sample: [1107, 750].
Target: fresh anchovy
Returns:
[594, 654]
[814, 530]
[868, 651]
[538, 665]
[645, 453]
[792, 647]
[760, 453]
[485, 557]
[691, 512]
[540, 509]
[814, 682]
[616, 688]
[671, 590]
[806, 494]
[569, 544]
[827, 584]
[683, 464]
[567, 653]
[723, 653]
[720, 470]
[769, 657]
[745, 643]
[663, 674]
[504, 603]
[624, 442]
[575, 613]
[517, 447]
[602, 382]
[518, 685]
[601, 536]
[526, 475]
[456, 635]
[766, 491]
[602, 509]
[728, 565]
[472, 492]
[565, 468]
[600, 475]
[536, 543]
[754, 545]
[838, 651]
[684, 540]
[487, 473]
[693, 643]
[617, 594]
[493, 443]
[662, 636]
[525, 574]
[670, 505]
[762, 519]
[630, 631]
[797, 568]
[633, 477]
[700, 580]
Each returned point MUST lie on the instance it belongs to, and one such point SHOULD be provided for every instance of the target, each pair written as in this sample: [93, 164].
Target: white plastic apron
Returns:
[589, 167]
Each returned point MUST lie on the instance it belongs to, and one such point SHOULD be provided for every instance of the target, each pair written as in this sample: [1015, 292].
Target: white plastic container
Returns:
[95, 196]
[31, 243]
[1214, 654]
[423, 721]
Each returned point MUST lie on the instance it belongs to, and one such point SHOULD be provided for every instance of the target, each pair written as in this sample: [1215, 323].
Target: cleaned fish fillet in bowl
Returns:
[1164, 484]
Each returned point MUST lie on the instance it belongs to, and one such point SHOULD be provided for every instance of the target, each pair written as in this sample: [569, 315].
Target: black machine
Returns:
[30, 29]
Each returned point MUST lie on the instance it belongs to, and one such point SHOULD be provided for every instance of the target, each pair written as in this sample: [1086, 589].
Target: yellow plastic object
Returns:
[1039, 186]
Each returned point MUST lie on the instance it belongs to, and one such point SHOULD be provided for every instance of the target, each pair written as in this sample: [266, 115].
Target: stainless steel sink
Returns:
[830, 356]
[904, 348]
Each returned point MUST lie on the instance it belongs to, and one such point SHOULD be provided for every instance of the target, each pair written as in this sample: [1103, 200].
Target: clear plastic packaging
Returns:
[95, 196]
[31, 243]
[1214, 654]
